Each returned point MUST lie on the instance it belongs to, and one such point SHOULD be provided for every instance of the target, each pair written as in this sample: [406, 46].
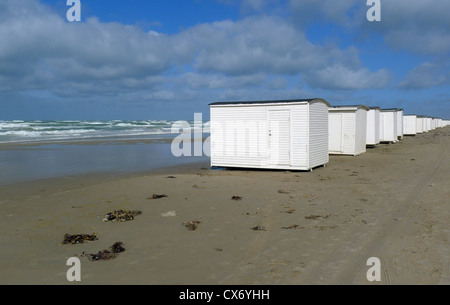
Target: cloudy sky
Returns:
[166, 59]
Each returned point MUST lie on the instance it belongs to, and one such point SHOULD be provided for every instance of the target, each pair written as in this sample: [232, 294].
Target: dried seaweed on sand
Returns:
[258, 228]
[121, 215]
[291, 227]
[192, 225]
[103, 255]
[316, 216]
[157, 196]
[79, 238]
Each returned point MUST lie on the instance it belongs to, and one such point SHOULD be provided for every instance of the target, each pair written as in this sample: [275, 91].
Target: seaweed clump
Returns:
[103, 255]
[157, 196]
[79, 238]
[192, 225]
[258, 228]
[121, 215]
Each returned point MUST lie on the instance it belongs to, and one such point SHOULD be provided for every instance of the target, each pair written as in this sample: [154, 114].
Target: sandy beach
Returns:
[282, 228]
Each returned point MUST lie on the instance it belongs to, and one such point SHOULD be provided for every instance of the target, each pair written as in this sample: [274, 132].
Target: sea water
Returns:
[31, 150]
[38, 131]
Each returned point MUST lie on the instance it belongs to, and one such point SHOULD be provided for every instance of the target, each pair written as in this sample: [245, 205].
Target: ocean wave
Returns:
[35, 133]
[25, 131]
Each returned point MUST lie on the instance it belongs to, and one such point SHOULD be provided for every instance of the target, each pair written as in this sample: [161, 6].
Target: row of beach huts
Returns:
[301, 134]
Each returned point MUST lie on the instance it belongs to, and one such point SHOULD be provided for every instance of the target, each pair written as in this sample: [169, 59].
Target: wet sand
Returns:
[28, 161]
[316, 227]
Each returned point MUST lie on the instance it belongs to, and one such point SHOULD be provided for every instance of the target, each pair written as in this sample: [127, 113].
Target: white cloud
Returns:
[39, 40]
[270, 45]
[201, 81]
[261, 44]
[419, 26]
[427, 75]
[341, 77]
[342, 12]
[44, 52]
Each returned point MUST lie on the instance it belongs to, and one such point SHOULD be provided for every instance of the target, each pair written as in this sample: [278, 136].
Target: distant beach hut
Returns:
[410, 125]
[347, 126]
[424, 123]
[427, 126]
[420, 124]
[373, 126]
[434, 123]
[400, 113]
[388, 126]
[277, 134]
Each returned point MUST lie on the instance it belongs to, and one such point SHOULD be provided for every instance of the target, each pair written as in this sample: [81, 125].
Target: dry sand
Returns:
[317, 227]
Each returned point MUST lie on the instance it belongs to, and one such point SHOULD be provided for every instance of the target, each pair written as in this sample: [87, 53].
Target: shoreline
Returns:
[107, 140]
[21, 162]
[282, 228]
[66, 182]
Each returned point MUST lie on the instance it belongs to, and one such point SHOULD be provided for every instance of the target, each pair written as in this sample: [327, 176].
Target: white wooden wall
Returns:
[318, 134]
[388, 129]
[373, 127]
[409, 124]
[270, 136]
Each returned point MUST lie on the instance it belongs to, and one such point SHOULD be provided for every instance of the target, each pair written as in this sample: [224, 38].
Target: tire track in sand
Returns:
[392, 230]
[242, 273]
[349, 267]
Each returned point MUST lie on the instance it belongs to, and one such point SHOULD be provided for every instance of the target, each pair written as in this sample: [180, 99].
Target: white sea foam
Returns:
[25, 131]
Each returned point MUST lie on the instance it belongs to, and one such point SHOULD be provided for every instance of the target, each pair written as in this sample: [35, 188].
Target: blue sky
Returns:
[167, 59]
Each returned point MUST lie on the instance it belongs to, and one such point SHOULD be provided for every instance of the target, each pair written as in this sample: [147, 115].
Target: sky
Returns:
[168, 59]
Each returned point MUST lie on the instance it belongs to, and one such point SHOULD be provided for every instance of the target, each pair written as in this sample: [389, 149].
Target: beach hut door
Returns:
[335, 132]
[279, 137]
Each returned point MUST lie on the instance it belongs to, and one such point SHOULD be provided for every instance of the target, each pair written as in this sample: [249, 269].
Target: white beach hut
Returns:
[347, 126]
[419, 126]
[434, 123]
[427, 126]
[373, 126]
[400, 113]
[388, 125]
[424, 123]
[410, 125]
[280, 134]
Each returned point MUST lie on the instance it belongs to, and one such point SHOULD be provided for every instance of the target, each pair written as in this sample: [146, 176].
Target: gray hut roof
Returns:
[268, 102]
[392, 109]
[349, 107]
